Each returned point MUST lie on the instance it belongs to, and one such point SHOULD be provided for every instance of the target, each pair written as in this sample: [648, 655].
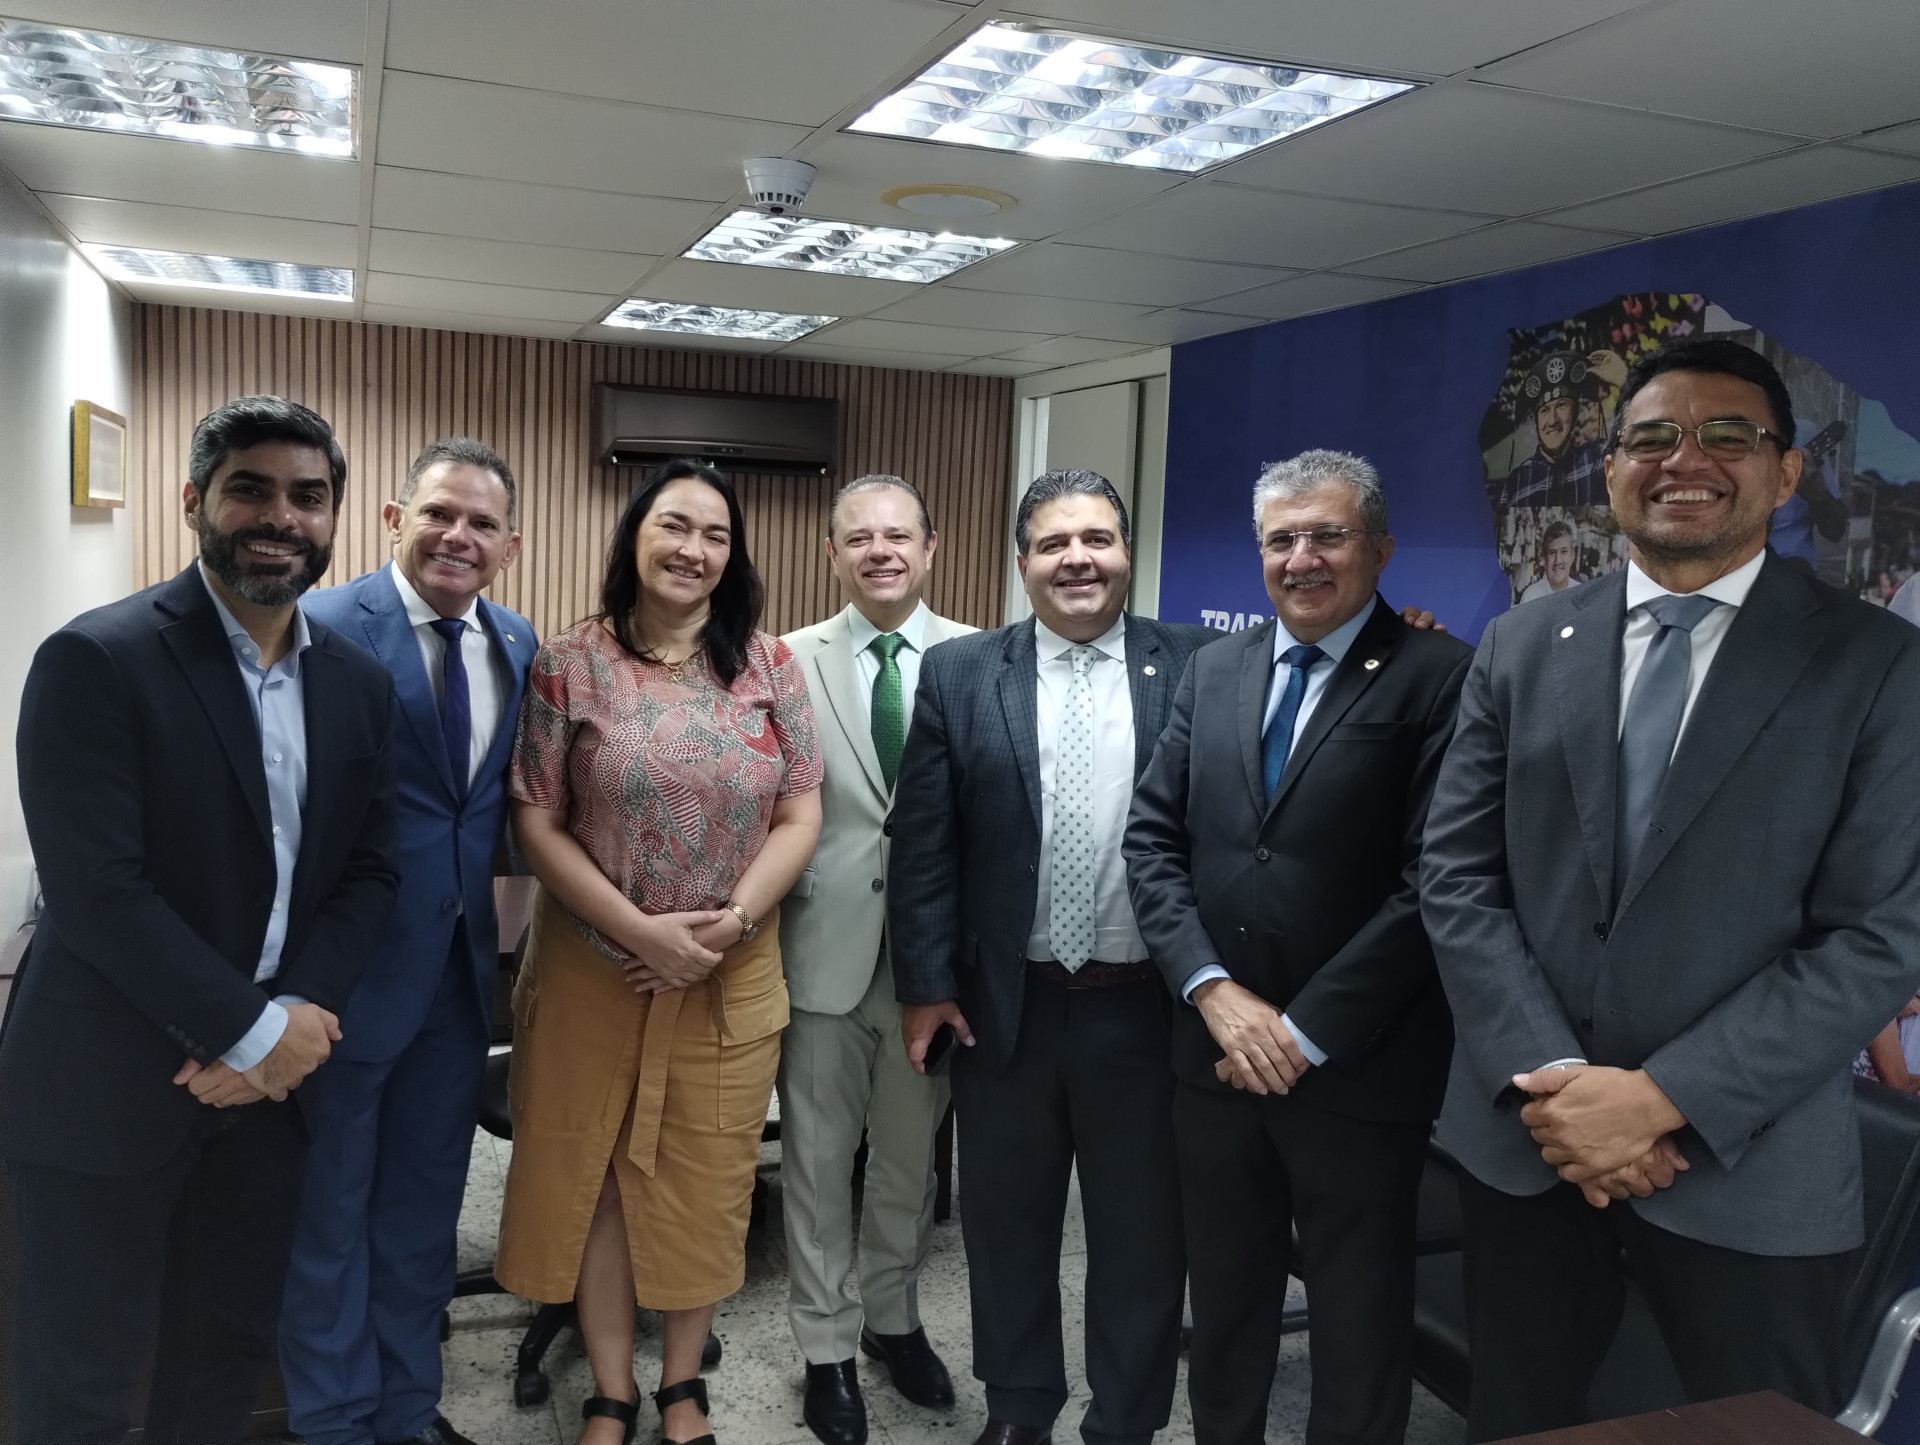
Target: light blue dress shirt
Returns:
[1336, 645]
[278, 697]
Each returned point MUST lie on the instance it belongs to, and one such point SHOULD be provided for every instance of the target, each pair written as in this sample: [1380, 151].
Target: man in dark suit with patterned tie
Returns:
[1009, 924]
[1273, 853]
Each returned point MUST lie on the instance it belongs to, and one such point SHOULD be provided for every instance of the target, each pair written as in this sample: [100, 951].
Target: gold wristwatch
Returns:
[748, 926]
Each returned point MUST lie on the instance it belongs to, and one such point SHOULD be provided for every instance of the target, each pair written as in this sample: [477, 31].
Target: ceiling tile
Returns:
[462, 258]
[868, 356]
[1094, 273]
[335, 30]
[806, 63]
[948, 306]
[1212, 222]
[430, 123]
[1173, 326]
[1800, 179]
[1304, 295]
[212, 233]
[1818, 70]
[1052, 195]
[177, 173]
[939, 340]
[1430, 37]
[1071, 350]
[423, 293]
[460, 321]
[1469, 147]
[1505, 247]
[1001, 366]
[539, 215]
[1902, 138]
[772, 288]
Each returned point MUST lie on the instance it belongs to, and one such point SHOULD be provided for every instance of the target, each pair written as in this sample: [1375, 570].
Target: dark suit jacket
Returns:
[449, 839]
[146, 805]
[963, 877]
[1311, 902]
[1770, 927]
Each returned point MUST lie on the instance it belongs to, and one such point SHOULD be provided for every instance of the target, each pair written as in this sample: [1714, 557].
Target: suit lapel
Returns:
[497, 623]
[390, 638]
[1355, 674]
[1584, 674]
[199, 645]
[1148, 678]
[1256, 680]
[840, 677]
[1019, 681]
[1772, 638]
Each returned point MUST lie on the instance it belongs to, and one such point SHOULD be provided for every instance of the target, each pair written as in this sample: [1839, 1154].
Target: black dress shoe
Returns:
[999, 1432]
[835, 1411]
[917, 1371]
[439, 1432]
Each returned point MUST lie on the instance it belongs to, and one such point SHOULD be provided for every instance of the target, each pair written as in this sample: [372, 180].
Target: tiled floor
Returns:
[756, 1389]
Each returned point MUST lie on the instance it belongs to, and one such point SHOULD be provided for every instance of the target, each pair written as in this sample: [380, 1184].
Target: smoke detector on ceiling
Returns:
[779, 186]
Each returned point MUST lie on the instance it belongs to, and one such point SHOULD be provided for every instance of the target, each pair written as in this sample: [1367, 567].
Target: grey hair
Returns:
[873, 482]
[1310, 471]
[467, 452]
[1067, 482]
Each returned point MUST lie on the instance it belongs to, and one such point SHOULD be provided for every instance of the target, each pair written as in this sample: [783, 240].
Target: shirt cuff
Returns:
[1202, 974]
[257, 1042]
[1315, 1054]
[1556, 1064]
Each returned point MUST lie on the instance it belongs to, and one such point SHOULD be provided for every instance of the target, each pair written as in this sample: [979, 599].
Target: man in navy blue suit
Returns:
[392, 1118]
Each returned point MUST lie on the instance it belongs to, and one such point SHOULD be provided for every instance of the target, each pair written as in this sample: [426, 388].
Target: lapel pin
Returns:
[1148, 669]
[1371, 663]
[510, 637]
[1566, 632]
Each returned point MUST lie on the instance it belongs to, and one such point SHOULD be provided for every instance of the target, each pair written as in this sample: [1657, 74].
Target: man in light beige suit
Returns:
[843, 1067]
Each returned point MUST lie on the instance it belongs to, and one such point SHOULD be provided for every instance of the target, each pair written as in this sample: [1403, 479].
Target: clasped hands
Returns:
[677, 950]
[308, 1039]
[1262, 1054]
[1610, 1131]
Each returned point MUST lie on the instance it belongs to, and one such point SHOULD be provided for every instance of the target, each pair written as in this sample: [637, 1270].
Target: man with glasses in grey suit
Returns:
[1672, 879]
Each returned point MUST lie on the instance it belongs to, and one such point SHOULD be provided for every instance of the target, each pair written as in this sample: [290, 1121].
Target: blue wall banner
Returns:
[1482, 405]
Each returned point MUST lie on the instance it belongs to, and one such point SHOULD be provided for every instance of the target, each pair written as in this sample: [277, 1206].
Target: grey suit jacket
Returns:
[830, 924]
[1770, 926]
[963, 879]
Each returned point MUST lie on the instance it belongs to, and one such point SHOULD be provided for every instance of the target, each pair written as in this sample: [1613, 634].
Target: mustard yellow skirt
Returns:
[670, 1090]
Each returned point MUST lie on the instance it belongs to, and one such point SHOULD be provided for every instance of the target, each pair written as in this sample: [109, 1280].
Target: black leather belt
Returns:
[1093, 973]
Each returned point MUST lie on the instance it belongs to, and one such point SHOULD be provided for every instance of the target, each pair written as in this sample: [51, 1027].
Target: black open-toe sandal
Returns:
[627, 1412]
[694, 1390]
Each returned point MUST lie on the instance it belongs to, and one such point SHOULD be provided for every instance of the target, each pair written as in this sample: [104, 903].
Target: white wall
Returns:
[65, 335]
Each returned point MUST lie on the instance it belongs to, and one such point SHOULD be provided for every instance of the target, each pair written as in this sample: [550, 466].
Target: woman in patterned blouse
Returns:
[666, 792]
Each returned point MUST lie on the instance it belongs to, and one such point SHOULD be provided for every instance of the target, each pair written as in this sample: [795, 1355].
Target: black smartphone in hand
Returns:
[940, 1050]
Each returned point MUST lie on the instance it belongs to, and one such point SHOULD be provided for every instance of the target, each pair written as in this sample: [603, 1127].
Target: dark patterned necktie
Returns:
[1652, 726]
[456, 703]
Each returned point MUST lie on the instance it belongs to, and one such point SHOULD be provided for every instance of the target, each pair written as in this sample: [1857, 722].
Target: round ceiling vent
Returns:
[952, 203]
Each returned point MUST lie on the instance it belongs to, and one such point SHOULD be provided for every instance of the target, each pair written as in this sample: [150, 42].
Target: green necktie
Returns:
[889, 711]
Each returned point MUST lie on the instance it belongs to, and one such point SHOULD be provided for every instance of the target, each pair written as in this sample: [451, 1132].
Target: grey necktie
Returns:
[1070, 905]
[1652, 727]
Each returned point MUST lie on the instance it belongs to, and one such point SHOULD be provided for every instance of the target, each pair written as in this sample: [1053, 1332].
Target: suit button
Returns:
[447, 905]
[879, 885]
[1261, 855]
[886, 828]
[1600, 931]
[1586, 1023]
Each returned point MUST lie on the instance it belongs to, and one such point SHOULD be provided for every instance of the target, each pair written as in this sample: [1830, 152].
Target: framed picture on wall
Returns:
[99, 456]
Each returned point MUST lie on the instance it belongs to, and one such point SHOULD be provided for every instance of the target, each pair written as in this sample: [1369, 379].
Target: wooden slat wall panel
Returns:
[388, 390]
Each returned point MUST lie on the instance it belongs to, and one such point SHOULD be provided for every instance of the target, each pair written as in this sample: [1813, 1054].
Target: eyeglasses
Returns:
[1729, 439]
[1318, 539]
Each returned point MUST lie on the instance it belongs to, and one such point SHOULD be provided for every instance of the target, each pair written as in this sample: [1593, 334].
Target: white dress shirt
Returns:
[487, 685]
[1336, 644]
[1116, 938]
[277, 696]
[913, 632]
[1730, 591]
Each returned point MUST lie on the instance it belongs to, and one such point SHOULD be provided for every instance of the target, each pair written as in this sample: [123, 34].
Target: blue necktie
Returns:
[1279, 739]
[1651, 729]
[456, 704]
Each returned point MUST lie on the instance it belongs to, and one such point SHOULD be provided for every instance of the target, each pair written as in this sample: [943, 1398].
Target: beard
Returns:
[220, 555]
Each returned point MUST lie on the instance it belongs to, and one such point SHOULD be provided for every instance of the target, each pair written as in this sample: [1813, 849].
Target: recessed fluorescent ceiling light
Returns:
[716, 321]
[1044, 93]
[842, 248]
[96, 81]
[222, 273]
